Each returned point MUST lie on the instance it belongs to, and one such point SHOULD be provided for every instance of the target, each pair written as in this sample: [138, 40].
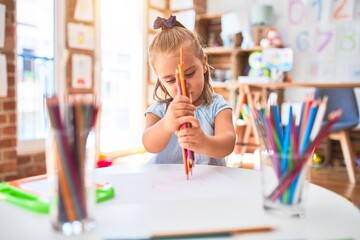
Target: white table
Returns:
[157, 198]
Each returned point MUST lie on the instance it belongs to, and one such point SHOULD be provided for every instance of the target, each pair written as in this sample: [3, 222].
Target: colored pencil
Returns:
[70, 134]
[319, 118]
[188, 155]
[304, 116]
[293, 147]
[289, 177]
[278, 122]
[286, 143]
[212, 233]
[268, 141]
[308, 127]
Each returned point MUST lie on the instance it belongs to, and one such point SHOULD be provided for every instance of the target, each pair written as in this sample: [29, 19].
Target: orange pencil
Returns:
[184, 151]
[64, 190]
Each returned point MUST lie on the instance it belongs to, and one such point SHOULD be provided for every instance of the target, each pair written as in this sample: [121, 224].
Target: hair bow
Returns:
[163, 22]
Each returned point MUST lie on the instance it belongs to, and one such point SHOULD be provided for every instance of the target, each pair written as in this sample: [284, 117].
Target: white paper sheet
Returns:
[80, 36]
[41, 187]
[81, 71]
[172, 186]
[2, 25]
[3, 76]
[166, 186]
[84, 10]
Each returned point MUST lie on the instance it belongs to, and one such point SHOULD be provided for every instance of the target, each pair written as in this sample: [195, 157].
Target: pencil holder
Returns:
[70, 159]
[284, 183]
[289, 150]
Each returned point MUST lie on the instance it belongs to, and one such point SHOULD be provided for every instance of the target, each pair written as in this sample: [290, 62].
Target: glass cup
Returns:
[70, 160]
[285, 180]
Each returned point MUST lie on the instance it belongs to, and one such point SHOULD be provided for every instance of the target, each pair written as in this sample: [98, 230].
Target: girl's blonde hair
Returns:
[171, 39]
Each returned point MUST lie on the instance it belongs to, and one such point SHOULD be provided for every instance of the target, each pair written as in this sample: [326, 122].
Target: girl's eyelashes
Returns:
[172, 80]
[189, 75]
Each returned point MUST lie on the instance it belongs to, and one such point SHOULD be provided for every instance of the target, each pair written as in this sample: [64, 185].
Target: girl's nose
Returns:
[188, 86]
[188, 89]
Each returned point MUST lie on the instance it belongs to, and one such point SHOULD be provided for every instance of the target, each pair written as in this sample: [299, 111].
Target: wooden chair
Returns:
[345, 99]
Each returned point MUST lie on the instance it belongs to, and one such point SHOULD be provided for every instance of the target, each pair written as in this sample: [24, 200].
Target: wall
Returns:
[324, 34]
[8, 130]
[222, 6]
[13, 165]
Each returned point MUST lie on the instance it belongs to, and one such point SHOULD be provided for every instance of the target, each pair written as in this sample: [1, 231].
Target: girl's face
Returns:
[165, 65]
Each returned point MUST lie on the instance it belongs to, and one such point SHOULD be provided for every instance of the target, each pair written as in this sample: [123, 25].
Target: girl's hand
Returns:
[178, 109]
[193, 138]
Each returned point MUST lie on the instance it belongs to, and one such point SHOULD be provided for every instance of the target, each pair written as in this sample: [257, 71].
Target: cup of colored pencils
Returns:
[71, 158]
[287, 153]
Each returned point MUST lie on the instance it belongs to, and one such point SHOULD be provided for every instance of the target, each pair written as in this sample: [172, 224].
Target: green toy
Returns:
[256, 67]
[40, 204]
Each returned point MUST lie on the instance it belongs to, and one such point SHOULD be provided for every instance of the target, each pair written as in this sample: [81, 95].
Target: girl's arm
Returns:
[155, 136]
[218, 146]
[223, 141]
